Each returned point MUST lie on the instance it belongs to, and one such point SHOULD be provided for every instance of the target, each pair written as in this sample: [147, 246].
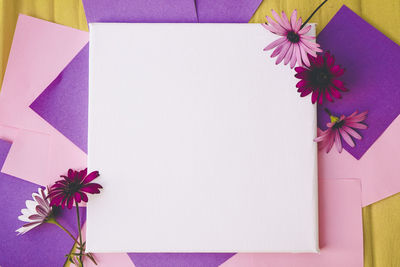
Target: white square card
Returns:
[202, 142]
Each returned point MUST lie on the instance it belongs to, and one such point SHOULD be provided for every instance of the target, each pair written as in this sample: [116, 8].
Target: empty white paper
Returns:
[202, 142]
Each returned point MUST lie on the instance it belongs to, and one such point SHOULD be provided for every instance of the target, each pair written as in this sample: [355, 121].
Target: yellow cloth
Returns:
[382, 219]
[66, 12]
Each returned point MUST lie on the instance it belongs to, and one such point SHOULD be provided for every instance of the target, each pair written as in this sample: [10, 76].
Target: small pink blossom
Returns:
[343, 127]
[294, 45]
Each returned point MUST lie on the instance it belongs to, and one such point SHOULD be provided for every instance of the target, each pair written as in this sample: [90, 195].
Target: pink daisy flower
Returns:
[320, 79]
[343, 127]
[73, 188]
[294, 45]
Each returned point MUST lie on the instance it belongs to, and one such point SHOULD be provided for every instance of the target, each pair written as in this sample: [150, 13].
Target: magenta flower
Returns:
[73, 187]
[294, 45]
[321, 79]
[343, 127]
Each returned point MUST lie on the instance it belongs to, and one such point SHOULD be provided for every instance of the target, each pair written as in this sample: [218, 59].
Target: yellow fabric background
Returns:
[382, 219]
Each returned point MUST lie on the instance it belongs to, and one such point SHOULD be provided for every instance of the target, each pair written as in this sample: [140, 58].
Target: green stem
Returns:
[80, 232]
[53, 221]
[67, 263]
[312, 14]
[328, 111]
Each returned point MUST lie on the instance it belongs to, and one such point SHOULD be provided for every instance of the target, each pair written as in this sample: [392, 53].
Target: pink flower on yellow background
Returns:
[294, 45]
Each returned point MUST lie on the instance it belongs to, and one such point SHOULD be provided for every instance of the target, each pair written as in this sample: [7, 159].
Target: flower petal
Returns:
[338, 142]
[275, 43]
[91, 176]
[304, 55]
[279, 29]
[289, 54]
[78, 197]
[293, 20]
[352, 132]
[286, 22]
[279, 20]
[346, 137]
[298, 55]
[314, 96]
[305, 30]
[282, 55]
[356, 125]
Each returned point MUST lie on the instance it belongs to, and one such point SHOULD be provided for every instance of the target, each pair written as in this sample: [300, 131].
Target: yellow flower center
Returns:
[334, 119]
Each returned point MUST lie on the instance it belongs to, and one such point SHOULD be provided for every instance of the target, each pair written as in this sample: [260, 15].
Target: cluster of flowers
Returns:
[71, 189]
[318, 74]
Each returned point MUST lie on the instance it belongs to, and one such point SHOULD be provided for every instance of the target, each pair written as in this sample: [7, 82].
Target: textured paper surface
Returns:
[31, 68]
[140, 11]
[341, 235]
[232, 11]
[372, 71]
[194, 152]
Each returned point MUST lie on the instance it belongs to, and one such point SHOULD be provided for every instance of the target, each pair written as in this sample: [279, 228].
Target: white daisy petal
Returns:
[24, 218]
[36, 212]
[30, 204]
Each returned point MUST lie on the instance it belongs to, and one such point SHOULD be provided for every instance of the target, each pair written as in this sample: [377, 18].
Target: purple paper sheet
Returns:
[229, 11]
[64, 102]
[140, 11]
[45, 245]
[179, 259]
[372, 74]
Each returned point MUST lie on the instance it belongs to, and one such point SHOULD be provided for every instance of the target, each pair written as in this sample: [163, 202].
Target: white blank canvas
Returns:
[202, 142]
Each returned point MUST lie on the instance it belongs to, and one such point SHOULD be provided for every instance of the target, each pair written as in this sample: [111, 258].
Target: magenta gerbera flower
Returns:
[321, 79]
[343, 127]
[294, 45]
[73, 187]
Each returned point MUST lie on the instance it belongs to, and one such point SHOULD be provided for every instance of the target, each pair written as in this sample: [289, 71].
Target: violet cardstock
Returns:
[140, 11]
[227, 11]
[45, 244]
[69, 87]
[372, 75]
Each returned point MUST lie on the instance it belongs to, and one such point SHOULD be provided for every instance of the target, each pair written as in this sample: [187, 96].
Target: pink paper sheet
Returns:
[31, 148]
[40, 51]
[378, 169]
[341, 235]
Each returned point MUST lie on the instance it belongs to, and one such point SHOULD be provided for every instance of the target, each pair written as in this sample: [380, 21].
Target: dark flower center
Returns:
[293, 37]
[320, 77]
[73, 187]
[338, 124]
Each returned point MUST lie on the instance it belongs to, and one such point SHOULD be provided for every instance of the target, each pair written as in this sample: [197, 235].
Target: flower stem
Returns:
[53, 221]
[80, 232]
[328, 111]
[312, 14]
